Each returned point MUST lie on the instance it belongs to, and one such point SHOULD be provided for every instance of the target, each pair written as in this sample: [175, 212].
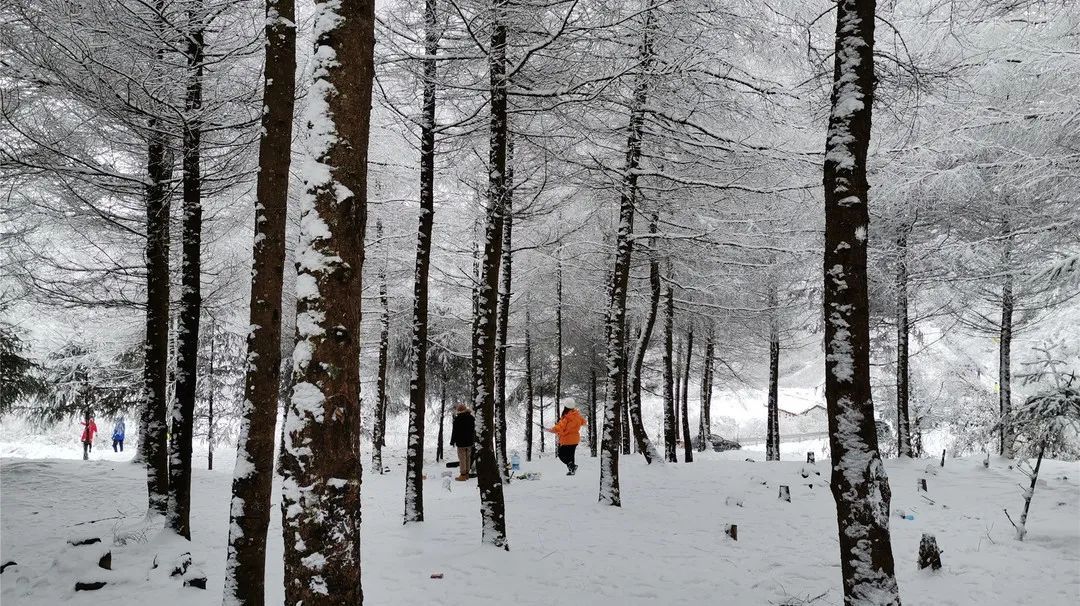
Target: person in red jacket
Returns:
[89, 429]
[568, 429]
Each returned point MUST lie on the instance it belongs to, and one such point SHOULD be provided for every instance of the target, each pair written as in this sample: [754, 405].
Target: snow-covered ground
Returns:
[666, 545]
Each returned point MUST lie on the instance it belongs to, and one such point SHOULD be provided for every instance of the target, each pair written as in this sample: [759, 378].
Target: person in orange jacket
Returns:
[568, 429]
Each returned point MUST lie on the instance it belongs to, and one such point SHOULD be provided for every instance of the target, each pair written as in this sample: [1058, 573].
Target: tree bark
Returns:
[903, 330]
[558, 335]
[153, 438]
[414, 464]
[321, 464]
[528, 389]
[1006, 435]
[378, 432]
[859, 484]
[688, 447]
[592, 412]
[178, 517]
[442, 423]
[504, 317]
[253, 472]
[624, 245]
[772, 446]
[669, 379]
[705, 419]
[644, 445]
[489, 478]
[677, 387]
[210, 404]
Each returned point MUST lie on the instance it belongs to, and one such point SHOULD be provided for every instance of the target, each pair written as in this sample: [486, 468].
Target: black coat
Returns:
[464, 432]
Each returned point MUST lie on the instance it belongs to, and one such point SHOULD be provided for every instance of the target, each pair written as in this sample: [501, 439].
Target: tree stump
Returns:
[810, 457]
[929, 553]
[785, 494]
[105, 561]
[921, 485]
[732, 530]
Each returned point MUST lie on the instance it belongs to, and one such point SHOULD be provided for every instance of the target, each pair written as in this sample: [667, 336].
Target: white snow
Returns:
[664, 546]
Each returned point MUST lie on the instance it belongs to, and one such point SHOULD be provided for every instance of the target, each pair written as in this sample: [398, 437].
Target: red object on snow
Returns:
[90, 428]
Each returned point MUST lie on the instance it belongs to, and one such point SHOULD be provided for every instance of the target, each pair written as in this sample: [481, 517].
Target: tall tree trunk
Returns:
[644, 445]
[558, 334]
[442, 424]
[253, 473]
[178, 517]
[688, 447]
[504, 315]
[210, 404]
[592, 412]
[153, 427]
[378, 431]
[528, 389]
[485, 325]
[624, 405]
[677, 389]
[705, 419]
[772, 446]
[903, 422]
[320, 493]
[1007, 435]
[860, 486]
[542, 433]
[669, 378]
[414, 463]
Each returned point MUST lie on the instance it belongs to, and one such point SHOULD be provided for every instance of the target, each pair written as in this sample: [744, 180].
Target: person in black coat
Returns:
[463, 436]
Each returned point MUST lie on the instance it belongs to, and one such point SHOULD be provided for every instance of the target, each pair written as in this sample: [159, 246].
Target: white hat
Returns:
[569, 403]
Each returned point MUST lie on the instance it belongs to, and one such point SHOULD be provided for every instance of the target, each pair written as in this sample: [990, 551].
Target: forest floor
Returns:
[666, 545]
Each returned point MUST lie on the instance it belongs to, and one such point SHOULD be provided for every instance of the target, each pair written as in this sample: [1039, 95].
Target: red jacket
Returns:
[89, 431]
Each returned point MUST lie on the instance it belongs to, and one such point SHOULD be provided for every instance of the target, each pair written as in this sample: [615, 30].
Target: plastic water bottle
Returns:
[515, 462]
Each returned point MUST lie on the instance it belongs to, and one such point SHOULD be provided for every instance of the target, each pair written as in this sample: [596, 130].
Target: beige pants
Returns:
[463, 460]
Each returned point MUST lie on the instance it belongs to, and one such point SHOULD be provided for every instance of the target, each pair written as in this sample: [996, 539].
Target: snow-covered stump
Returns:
[921, 485]
[785, 494]
[929, 553]
[732, 530]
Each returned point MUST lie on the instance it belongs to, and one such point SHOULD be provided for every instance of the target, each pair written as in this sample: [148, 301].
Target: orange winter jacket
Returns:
[568, 428]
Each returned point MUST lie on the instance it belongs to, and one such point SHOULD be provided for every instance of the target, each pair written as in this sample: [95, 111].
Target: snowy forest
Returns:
[312, 302]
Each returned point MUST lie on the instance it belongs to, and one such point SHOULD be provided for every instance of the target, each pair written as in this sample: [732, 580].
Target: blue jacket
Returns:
[118, 431]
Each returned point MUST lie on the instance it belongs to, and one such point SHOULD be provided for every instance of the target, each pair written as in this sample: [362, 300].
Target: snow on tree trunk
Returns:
[859, 483]
[178, 516]
[772, 445]
[153, 426]
[644, 445]
[688, 449]
[504, 314]
[528, 389]
[378, 431]
[414, 457]
[321, 462]
[705, 419]
[1007, 437]
[485, 322]
[903, 422]
[253, 473]
[669, 378]
[592, 411]
[620, 277]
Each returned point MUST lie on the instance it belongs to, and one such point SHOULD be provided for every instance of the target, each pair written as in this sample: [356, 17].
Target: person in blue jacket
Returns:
[118, 435]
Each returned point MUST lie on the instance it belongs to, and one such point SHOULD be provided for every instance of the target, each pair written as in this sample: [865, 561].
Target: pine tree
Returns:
[253, 473]
[859, 483]
[321, 467]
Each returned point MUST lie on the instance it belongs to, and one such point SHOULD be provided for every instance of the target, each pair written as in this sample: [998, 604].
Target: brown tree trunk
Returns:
[253, 473]
[321, 463]
[153, 426]
[859, 483]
